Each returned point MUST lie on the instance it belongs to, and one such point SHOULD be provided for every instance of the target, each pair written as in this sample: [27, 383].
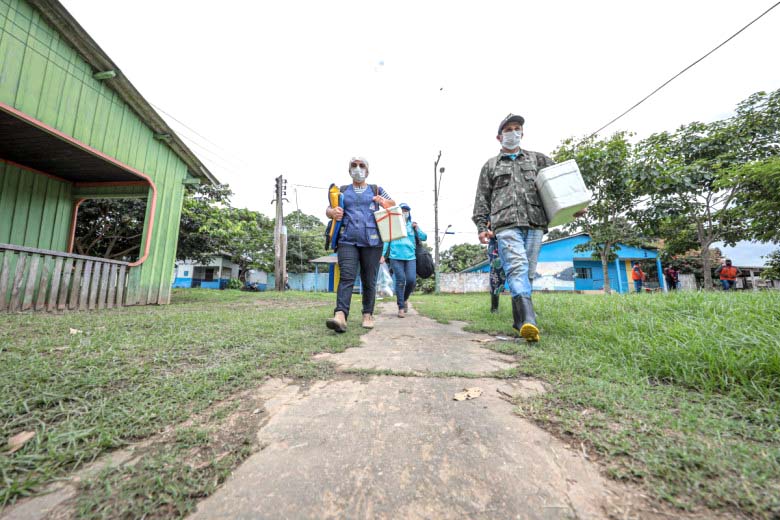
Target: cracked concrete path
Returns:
[402, 447]
[420, 345]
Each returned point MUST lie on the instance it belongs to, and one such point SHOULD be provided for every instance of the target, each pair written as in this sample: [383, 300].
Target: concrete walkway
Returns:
[378, 446]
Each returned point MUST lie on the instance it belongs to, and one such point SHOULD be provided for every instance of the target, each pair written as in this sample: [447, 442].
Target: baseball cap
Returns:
[511, 118]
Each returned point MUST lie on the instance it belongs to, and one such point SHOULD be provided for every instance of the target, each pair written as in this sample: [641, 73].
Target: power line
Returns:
[189, 128]
[684, 70]
[395, 192]
[312, 187]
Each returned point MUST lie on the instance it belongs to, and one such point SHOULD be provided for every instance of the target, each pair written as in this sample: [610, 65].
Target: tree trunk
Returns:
[605, 269]
[705, 267]
[705, 242]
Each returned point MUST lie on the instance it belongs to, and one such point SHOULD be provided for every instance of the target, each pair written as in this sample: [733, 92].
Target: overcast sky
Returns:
[297, 88]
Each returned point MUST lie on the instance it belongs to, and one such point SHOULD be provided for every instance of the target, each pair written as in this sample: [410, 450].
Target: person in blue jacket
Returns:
[403, 261]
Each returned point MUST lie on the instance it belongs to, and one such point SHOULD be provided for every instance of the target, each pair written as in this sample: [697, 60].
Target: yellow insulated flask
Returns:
[336, 200]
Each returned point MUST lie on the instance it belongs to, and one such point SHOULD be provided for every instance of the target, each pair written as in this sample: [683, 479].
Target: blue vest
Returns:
[358, 227]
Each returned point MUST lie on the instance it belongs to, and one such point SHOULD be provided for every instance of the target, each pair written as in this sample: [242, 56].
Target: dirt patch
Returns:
[193, 458]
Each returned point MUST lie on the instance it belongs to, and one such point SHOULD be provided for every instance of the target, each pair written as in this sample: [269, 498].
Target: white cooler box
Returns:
[563, 192]
[391, 223]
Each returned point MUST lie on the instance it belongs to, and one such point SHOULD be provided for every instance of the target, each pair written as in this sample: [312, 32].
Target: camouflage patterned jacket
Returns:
[506, 193]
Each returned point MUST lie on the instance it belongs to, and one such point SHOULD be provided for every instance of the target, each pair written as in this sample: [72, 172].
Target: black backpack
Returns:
[425, 267]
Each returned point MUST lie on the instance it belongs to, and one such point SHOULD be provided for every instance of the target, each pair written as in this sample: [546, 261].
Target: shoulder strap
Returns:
[372, 186]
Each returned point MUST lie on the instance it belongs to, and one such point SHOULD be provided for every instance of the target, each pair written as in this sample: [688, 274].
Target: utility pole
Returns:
[280, 236]
[437, 172]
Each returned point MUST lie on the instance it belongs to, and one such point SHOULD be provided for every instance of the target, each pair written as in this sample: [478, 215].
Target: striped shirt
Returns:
[382, 192]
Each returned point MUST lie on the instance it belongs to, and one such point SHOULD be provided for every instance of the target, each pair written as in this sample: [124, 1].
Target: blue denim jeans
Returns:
[728, 285]
[638, 286]
[405, 273]
[519, 251]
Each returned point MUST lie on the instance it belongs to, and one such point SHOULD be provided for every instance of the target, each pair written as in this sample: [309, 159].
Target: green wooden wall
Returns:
[41, 75]
[35, 210]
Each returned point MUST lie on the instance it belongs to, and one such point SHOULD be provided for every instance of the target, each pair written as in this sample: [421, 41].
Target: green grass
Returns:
[131, 372]
[680, 392]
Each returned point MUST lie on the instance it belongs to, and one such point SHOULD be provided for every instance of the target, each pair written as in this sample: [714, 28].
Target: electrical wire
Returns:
[684, 70]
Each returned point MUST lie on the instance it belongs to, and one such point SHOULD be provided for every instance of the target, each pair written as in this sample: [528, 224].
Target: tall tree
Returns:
[682, 172]
[202, 204]
[110, 228]
[756, 198]
[605, 165]
[210, 226]
[305, 241]
[773, 266]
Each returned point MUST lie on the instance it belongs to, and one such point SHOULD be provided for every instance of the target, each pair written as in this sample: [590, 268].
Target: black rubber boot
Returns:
[518, 316]
[493, 303]
[529, 330]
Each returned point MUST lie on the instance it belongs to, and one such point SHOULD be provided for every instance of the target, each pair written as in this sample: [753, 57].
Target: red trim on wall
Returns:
[97, 153]
[33, 170]
[109, 183]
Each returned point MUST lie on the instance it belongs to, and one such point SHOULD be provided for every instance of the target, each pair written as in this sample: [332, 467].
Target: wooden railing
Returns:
[43, 280]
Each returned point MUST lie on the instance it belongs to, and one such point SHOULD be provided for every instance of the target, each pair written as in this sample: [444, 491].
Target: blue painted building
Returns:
[561, 268]
[215, 275]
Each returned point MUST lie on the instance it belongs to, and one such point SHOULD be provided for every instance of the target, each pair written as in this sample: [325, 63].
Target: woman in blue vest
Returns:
[403, 261]
[358, 244]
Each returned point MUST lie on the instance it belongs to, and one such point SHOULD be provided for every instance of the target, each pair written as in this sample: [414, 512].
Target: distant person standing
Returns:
[728, 275]
[403, 260]
[497, 275]
[638, 276]
[672, 276]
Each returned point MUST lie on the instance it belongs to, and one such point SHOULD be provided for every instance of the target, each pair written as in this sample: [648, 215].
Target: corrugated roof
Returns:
[55, 14]
[330, 259]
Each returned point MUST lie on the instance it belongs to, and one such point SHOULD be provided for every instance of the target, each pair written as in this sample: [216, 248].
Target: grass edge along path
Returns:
[678, 392]
[90, 382]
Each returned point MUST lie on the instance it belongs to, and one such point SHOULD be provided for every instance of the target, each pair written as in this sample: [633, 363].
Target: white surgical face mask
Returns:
[358, 174]
[511, 139]
[406, 215]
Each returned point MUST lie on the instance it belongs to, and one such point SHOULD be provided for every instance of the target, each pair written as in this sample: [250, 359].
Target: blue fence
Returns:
[308, 282]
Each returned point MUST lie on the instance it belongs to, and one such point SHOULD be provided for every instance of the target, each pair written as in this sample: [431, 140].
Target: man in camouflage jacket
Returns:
[508, 199]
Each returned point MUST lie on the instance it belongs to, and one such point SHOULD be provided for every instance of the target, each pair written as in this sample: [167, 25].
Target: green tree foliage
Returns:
[682, 172]
[605, 165]
[461, 256]
[557, 233]
[210, 226]
[110, 228]
[755, 177]
[756, 198]
[202, 203]
[305, 241]
[773, 266]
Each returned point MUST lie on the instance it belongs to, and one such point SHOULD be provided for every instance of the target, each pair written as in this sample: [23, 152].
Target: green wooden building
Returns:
[73, 127]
